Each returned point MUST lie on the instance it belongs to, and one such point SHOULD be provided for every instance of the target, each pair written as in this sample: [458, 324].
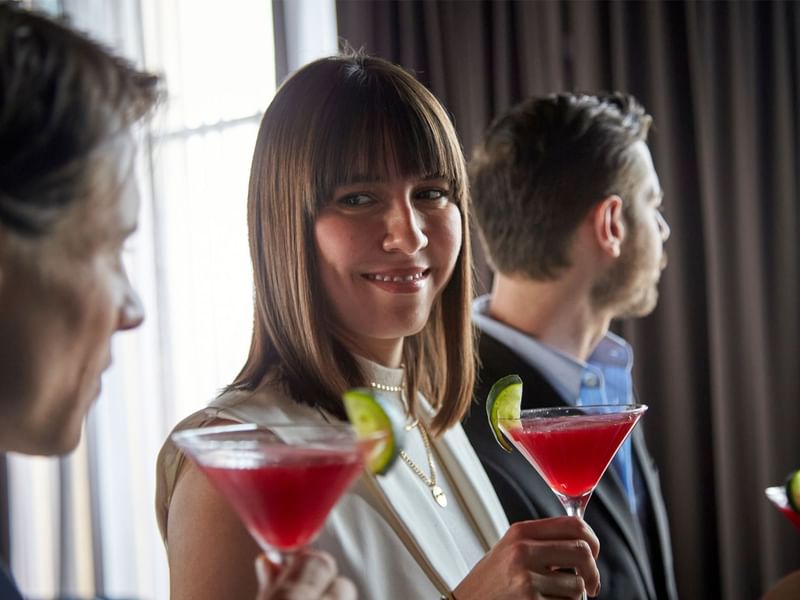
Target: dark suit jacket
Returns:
[635, 563]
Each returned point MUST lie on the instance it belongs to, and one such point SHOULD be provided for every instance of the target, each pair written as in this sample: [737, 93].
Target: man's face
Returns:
[630, 287]
[62, 296]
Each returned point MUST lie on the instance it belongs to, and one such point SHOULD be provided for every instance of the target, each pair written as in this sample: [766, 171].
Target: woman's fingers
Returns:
[556, 528]
[309, 575]
[558, 584]
[311, 571]
[558, 554]
[341, 589]
[551, 556]
[266, 572]
[537, 560]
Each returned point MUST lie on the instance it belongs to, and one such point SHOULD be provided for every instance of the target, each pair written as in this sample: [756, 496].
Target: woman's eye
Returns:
[354, 200]
[433, 194]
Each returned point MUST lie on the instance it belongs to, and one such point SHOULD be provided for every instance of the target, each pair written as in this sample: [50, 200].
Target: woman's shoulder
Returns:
[270, 403]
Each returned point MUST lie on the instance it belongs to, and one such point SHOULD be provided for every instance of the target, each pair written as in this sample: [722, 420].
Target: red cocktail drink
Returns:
[285, 500]
[571, 453]
[283, 479]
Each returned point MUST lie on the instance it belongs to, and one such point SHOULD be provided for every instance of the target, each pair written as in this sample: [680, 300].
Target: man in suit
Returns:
[568, 204]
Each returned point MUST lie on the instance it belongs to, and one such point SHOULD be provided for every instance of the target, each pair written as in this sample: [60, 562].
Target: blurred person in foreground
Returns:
[67, 204]
[568, 204]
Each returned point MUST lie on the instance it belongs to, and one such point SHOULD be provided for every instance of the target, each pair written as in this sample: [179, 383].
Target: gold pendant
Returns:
[439, 496]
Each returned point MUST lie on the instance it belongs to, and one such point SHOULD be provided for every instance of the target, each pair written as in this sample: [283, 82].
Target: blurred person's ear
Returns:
[608, 225]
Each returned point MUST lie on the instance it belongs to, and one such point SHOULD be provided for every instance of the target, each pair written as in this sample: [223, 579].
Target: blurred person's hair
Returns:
[333, 122]
[539, 169]
[62, 97]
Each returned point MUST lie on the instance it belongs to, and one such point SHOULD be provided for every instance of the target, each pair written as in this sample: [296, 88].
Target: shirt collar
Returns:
[563, 372]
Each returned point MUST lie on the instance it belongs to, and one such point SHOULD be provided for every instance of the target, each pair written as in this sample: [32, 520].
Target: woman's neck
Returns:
[385, 352]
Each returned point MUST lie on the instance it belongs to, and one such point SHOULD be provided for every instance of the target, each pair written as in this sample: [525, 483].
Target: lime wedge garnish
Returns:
[793, 490]
[503, 402]
[378, 423]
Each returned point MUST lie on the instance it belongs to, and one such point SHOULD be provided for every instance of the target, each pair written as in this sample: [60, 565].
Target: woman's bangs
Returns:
[395, 132]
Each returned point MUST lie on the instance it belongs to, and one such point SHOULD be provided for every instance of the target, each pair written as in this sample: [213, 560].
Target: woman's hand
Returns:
[311, 575]
[527, 562]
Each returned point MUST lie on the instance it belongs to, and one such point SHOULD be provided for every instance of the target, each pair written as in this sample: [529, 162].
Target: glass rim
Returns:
[554, 412]
[209, 433]
[777, 495]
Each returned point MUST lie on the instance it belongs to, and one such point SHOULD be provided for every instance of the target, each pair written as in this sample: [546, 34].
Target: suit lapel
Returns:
[660, 521]
[499, 360]
[612, 498]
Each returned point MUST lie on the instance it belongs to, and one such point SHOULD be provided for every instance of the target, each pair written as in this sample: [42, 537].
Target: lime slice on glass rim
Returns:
[793, 490]
[378, 423]
[503, 402]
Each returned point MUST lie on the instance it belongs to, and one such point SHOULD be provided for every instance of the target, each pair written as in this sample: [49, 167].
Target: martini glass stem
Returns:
[575, 506]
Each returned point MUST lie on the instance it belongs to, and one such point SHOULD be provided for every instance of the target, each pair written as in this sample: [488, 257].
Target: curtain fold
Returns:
[717, 361]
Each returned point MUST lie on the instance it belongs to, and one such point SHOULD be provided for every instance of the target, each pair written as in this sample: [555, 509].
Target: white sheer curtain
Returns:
[85, 525]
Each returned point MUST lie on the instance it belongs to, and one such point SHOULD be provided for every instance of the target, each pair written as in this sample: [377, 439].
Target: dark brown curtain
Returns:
[718, 360]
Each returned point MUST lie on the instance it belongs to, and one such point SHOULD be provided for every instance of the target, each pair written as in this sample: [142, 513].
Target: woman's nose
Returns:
[404, 231]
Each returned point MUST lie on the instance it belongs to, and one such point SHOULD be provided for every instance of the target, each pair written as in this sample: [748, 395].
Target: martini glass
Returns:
[283, 479]
[777, 495]
[572, 446]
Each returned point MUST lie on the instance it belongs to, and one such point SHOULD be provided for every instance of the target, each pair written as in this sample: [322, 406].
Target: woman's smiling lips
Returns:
[400, 281]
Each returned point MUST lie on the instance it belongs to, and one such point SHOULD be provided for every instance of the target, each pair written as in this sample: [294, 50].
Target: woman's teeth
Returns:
[396, 278]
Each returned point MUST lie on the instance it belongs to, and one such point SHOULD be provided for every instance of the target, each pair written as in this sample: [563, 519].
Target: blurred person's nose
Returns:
[131, 313]
[663, 227]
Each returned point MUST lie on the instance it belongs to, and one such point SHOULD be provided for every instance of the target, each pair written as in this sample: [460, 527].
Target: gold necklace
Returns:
[438, 493]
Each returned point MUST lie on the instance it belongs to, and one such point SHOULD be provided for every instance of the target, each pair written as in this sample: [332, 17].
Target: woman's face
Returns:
[386, 249]
[62, 296]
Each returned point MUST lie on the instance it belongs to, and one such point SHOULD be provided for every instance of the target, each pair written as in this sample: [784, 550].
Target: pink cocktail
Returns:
[282, 480]
[571, 447]
[572, 453]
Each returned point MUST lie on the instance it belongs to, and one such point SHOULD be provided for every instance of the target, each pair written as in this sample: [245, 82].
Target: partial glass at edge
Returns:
[571, 447]
[281, 479]
[777, 495]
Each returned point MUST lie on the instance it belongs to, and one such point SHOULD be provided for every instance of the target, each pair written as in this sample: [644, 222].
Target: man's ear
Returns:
[608, 225]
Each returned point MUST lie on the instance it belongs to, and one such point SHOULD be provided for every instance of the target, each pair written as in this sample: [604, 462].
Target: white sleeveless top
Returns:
[387, 533]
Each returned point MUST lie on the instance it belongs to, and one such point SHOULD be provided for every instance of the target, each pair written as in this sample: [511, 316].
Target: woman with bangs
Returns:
[359, 237]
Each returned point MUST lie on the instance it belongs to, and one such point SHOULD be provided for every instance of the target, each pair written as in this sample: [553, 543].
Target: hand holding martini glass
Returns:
[570, 446]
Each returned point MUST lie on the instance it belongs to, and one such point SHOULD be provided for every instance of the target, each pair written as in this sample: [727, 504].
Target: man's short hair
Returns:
[62, 96]
[539, 169]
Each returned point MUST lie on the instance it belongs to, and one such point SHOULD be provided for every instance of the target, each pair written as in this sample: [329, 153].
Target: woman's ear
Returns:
[608, 225]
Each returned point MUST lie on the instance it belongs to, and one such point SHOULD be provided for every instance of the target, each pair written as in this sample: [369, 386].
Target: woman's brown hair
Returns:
[334, 119]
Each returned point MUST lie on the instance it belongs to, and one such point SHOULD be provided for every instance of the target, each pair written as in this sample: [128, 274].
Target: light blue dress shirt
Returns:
[605, 378]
